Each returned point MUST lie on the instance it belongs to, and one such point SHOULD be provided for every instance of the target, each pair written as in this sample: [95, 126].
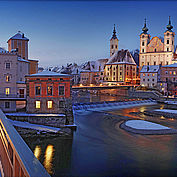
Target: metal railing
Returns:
[16, 159]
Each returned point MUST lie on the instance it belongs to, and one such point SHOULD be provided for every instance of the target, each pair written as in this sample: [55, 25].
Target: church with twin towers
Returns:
[157, 51]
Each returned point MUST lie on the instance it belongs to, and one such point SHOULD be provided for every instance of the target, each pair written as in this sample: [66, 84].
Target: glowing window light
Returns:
[7, 91]
[49, 104]
[38, 104]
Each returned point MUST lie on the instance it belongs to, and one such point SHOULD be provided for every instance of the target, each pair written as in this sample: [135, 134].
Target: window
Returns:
[22, 93]
[174, 72]
[147, 63]
[170, 72]
[49, 104]
[7, 65]
[61, 90]
[7, 78]
[148, 79]
[167, 41]
[174, 79]
[61, 104]
[38, 90]
[114, 73]
[167, 63]
[49, 90]
[7, 91]
[153, 80]
[38, 104]
[7, 104]
[144, 74]
[142, 50]
[142, 63]
[112, 46]
[116, 46]
[154, 62]
[143, 79]
[154, 51]
[167, 49]
[153, 74]
[143, 43]
[120, 73]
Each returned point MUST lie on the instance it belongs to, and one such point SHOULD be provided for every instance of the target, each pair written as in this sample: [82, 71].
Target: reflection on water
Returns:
[49, 153]
[100, 148]
[37, 152]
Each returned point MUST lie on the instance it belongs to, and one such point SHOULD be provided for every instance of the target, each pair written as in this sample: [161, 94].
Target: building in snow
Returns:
[158, 50]
[19, 43]
[168, 81]
[49, 92]
[120, 68]
[150, 75]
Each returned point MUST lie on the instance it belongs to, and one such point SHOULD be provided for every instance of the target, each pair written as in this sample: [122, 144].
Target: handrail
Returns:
[16, 157]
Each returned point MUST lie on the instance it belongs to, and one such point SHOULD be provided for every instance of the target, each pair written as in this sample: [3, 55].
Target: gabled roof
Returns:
[20, 36]
[150, 69]
[120, 57]
[46, 73]
[174, 65]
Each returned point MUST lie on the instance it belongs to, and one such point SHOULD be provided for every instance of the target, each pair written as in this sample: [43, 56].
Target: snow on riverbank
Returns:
[144, 125]
[172, 111]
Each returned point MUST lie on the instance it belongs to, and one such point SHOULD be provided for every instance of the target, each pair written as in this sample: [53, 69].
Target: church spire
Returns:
[169, 26]
[145, 29]
[114, 33]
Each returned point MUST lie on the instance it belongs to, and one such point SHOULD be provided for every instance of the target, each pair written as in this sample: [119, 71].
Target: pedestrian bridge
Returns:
[16, 159]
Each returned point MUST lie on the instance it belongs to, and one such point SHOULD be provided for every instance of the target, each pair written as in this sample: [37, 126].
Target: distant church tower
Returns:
[19, 42]
[144, 39]
[113, 43]
[169, 38]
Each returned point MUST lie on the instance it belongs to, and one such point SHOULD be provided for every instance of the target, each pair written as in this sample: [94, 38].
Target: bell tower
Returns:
[113, 43]
[169, 38]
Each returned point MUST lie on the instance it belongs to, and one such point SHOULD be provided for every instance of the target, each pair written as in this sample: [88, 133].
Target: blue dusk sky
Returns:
[77, 31]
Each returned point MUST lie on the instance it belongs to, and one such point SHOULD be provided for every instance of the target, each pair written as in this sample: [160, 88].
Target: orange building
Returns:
[48, 92]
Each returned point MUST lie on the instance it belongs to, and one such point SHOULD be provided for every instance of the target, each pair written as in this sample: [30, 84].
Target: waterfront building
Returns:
[150, 75]
[13, 88]
[113, 42]
[120, 68]
[168, 81]
[158, 50]
[48, 92]
[19, 43]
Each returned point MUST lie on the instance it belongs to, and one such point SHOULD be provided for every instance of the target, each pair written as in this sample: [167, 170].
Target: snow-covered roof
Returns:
[150, 69]
[123, 56]
[46, 73]
[174, 65]
[20, 36]
[23, 60]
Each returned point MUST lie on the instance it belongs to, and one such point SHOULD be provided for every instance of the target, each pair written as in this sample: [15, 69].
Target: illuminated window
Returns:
[153, 74]
[170, 72]
[7, 91]
[49, 104]
[49, 90]
[38, 90]
[144, 74]
[61, 90]
[7, 65]
[174, 72]
[7, 78]
[38, 104]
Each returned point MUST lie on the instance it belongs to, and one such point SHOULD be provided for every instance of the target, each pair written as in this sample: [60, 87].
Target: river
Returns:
[100, 148]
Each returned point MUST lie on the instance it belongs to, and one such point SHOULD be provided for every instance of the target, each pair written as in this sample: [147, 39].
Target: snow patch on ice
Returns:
[145, 125]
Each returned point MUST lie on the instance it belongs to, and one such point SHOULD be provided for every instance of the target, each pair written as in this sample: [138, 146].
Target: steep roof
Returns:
[150, 69]
[120, 57]
[20, 36]
[46, 73]
[174, 65]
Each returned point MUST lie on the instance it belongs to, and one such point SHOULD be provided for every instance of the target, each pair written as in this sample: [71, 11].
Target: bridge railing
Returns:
[16, 159]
